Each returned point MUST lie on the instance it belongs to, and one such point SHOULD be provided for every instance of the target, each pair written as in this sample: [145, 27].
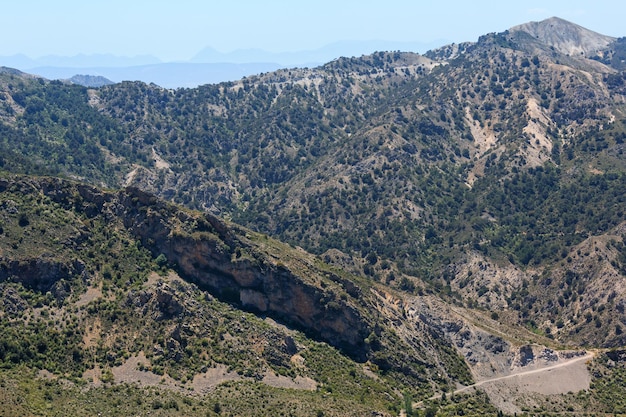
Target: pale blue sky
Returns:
[178, 29]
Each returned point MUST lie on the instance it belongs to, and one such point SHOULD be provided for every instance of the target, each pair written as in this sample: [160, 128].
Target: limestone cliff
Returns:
[210, 253]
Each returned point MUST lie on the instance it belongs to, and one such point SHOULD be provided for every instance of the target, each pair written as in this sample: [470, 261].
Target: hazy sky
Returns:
[178, 29]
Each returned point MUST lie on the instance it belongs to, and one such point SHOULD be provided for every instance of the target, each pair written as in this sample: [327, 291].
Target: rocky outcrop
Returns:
[251, 271]
[42, 274]
[205, 250]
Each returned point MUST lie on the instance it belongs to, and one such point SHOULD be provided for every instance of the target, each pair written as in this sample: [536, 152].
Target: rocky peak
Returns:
[565, 37]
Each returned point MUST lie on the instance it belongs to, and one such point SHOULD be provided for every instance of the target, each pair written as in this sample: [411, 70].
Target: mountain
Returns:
[311, 57]
[447, 218]
[140, 68]
[111, 265]
[207, 67]
[90, 80]
[565, 37]
[77, 61]
[167, 75]
[95, 60]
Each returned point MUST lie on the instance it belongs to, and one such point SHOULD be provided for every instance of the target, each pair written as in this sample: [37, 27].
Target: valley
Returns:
[391, 234]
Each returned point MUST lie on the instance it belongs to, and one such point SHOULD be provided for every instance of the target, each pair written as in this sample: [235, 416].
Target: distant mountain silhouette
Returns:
[24, 62]
[313, 57]
[169, 75]
[209, 66]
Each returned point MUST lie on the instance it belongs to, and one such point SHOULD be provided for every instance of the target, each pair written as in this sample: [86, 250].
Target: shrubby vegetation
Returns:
[394, 166]
[83, 296]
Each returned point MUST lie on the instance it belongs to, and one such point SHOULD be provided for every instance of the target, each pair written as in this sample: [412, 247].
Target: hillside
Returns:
[475, 190]
[95, 282]
[107, 288]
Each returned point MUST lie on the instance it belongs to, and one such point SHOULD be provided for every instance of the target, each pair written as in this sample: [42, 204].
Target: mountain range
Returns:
[209, 66]
[370, 235]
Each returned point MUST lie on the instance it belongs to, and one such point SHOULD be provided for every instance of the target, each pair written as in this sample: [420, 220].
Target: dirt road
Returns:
[561, 364]
[570, 375]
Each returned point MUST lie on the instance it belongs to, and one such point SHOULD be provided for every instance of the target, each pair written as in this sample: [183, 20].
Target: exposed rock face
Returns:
[206, 254]
[206, 251]
[41, 274]
[486, 354]
[566, 37]
[167, 302]
[250, 271]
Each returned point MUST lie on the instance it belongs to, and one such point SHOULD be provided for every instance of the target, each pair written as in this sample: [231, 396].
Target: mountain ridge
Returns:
[475, 194]
[208, 66]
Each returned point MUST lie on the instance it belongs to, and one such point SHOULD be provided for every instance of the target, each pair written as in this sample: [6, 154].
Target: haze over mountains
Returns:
[373, 235]
[207, 67]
